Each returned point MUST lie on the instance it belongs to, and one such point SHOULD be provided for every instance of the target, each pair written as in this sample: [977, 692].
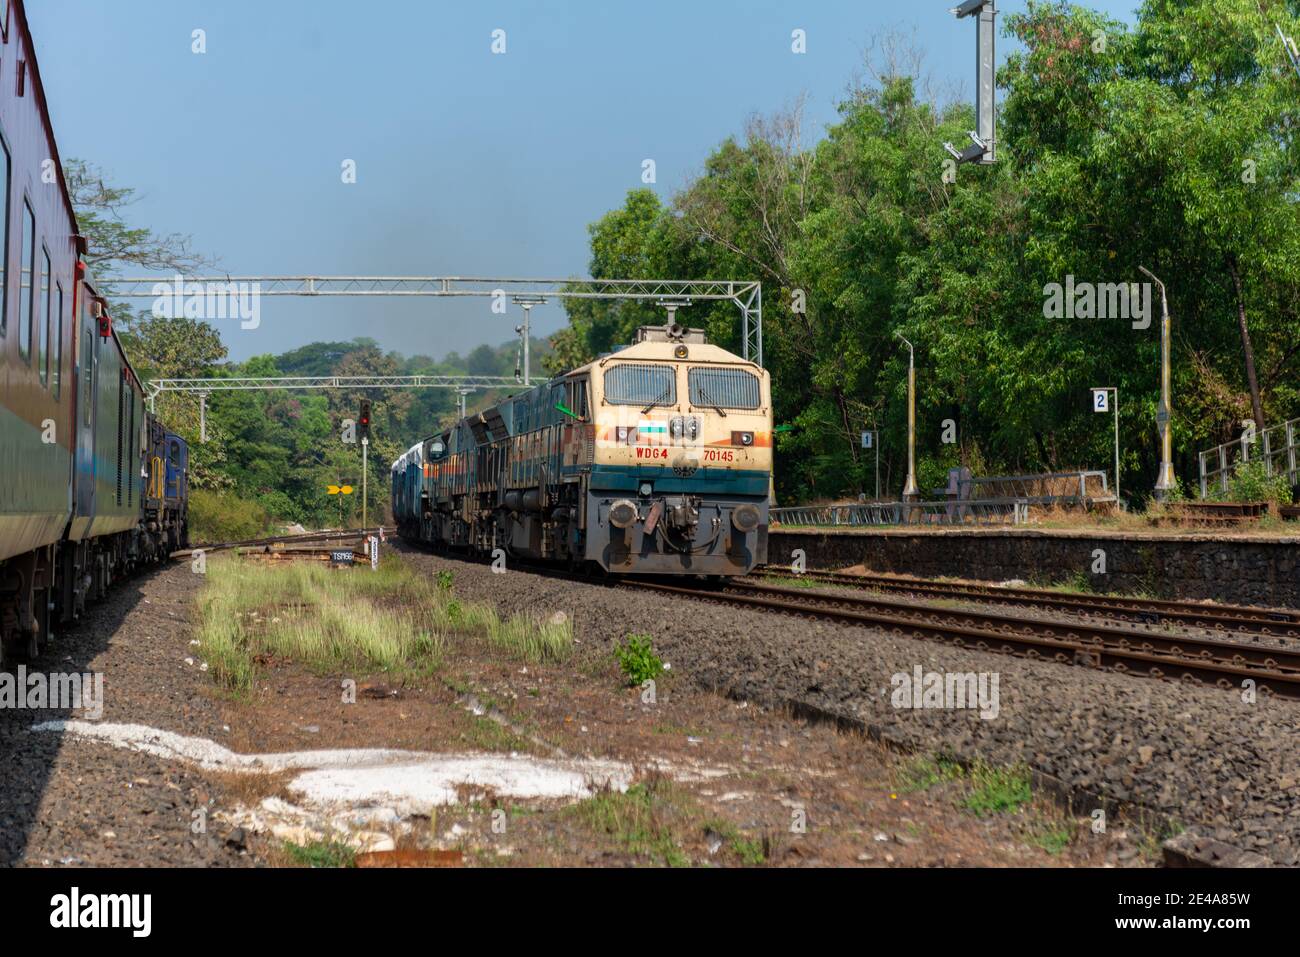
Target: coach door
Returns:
[87, 378]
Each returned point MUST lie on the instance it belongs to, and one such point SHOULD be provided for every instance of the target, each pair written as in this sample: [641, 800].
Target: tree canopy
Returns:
[1168, 144]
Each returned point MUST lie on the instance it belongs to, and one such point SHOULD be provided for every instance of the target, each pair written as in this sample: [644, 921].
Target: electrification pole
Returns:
[526, 331]
[1165, 482]
[910, 490]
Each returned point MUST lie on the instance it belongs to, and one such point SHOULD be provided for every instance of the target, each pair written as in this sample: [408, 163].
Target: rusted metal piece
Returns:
[411, 858]
[1213, 513]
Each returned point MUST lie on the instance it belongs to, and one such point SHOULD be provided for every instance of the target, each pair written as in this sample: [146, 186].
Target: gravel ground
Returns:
[1222, 767]
[72, 802]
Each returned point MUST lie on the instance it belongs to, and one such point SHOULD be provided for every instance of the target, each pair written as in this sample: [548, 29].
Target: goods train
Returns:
[655, 459]
[91, 484]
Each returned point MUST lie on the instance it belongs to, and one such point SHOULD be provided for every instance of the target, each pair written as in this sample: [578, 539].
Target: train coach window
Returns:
[56, 343]
[4, 236]
[27, 297]
[43, 320]
[725, 388]
[633, 384]
[85, 397]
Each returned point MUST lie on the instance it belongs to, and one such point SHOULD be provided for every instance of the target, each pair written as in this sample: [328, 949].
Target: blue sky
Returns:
[468, 163]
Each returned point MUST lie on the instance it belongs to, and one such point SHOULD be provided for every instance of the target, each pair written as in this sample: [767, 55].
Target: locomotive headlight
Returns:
[622, 513]
[744, 518]
[646, 489]
[742, 438]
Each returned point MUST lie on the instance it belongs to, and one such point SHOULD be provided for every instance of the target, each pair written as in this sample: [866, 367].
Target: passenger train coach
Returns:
[655, 459]
[91, 483]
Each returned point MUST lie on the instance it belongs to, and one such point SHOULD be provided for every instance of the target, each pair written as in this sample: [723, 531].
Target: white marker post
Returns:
[869, 441]
[1100, 403]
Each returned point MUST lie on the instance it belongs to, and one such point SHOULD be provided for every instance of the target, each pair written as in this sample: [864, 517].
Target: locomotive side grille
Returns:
[130, 459]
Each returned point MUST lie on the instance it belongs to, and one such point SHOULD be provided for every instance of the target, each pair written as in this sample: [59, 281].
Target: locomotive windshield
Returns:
[638, 384]
[727, 388]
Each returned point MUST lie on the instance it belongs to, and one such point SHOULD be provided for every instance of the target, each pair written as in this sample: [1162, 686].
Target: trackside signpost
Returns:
[340, 491]
[1101, 396]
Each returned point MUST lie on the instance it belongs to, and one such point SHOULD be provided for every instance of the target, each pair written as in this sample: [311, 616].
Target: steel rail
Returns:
[1239, 618]
[1114, 649]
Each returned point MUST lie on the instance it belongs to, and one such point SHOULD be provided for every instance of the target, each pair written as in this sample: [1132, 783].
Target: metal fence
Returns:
[1062, 489]
[1004, 500]
[987, 512]
[1277, 447]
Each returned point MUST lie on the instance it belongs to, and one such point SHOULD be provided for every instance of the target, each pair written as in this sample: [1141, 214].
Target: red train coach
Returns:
[73, 425]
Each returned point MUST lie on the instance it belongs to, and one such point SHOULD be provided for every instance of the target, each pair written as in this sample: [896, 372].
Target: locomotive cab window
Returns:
[637, 384]
[580, 403]
[724, 388]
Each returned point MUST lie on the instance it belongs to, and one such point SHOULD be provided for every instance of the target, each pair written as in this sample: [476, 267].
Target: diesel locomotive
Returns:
[91, 484]
[655, 459]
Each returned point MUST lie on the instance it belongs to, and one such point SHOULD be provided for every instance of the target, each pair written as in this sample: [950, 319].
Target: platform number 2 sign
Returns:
[1100, 400]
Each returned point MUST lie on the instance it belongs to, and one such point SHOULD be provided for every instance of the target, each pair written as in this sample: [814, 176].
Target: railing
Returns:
[1053, 488]
[1005, 499]
[977, 512]
[1276, 446]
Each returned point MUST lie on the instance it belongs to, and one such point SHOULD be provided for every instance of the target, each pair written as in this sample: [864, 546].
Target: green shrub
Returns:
[1251, 482]
[637, 660]
[225, 517]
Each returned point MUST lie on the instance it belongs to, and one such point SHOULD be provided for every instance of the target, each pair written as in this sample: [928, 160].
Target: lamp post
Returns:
[910, 491]
[1165, 482]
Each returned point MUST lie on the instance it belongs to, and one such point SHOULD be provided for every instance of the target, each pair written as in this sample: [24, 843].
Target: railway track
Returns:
[1239, 619]
[1200, 661]
[302, 538]
[1222, 663]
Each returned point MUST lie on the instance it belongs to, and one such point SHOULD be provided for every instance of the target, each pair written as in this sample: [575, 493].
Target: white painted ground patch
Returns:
[410, 781]
[358, 794]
